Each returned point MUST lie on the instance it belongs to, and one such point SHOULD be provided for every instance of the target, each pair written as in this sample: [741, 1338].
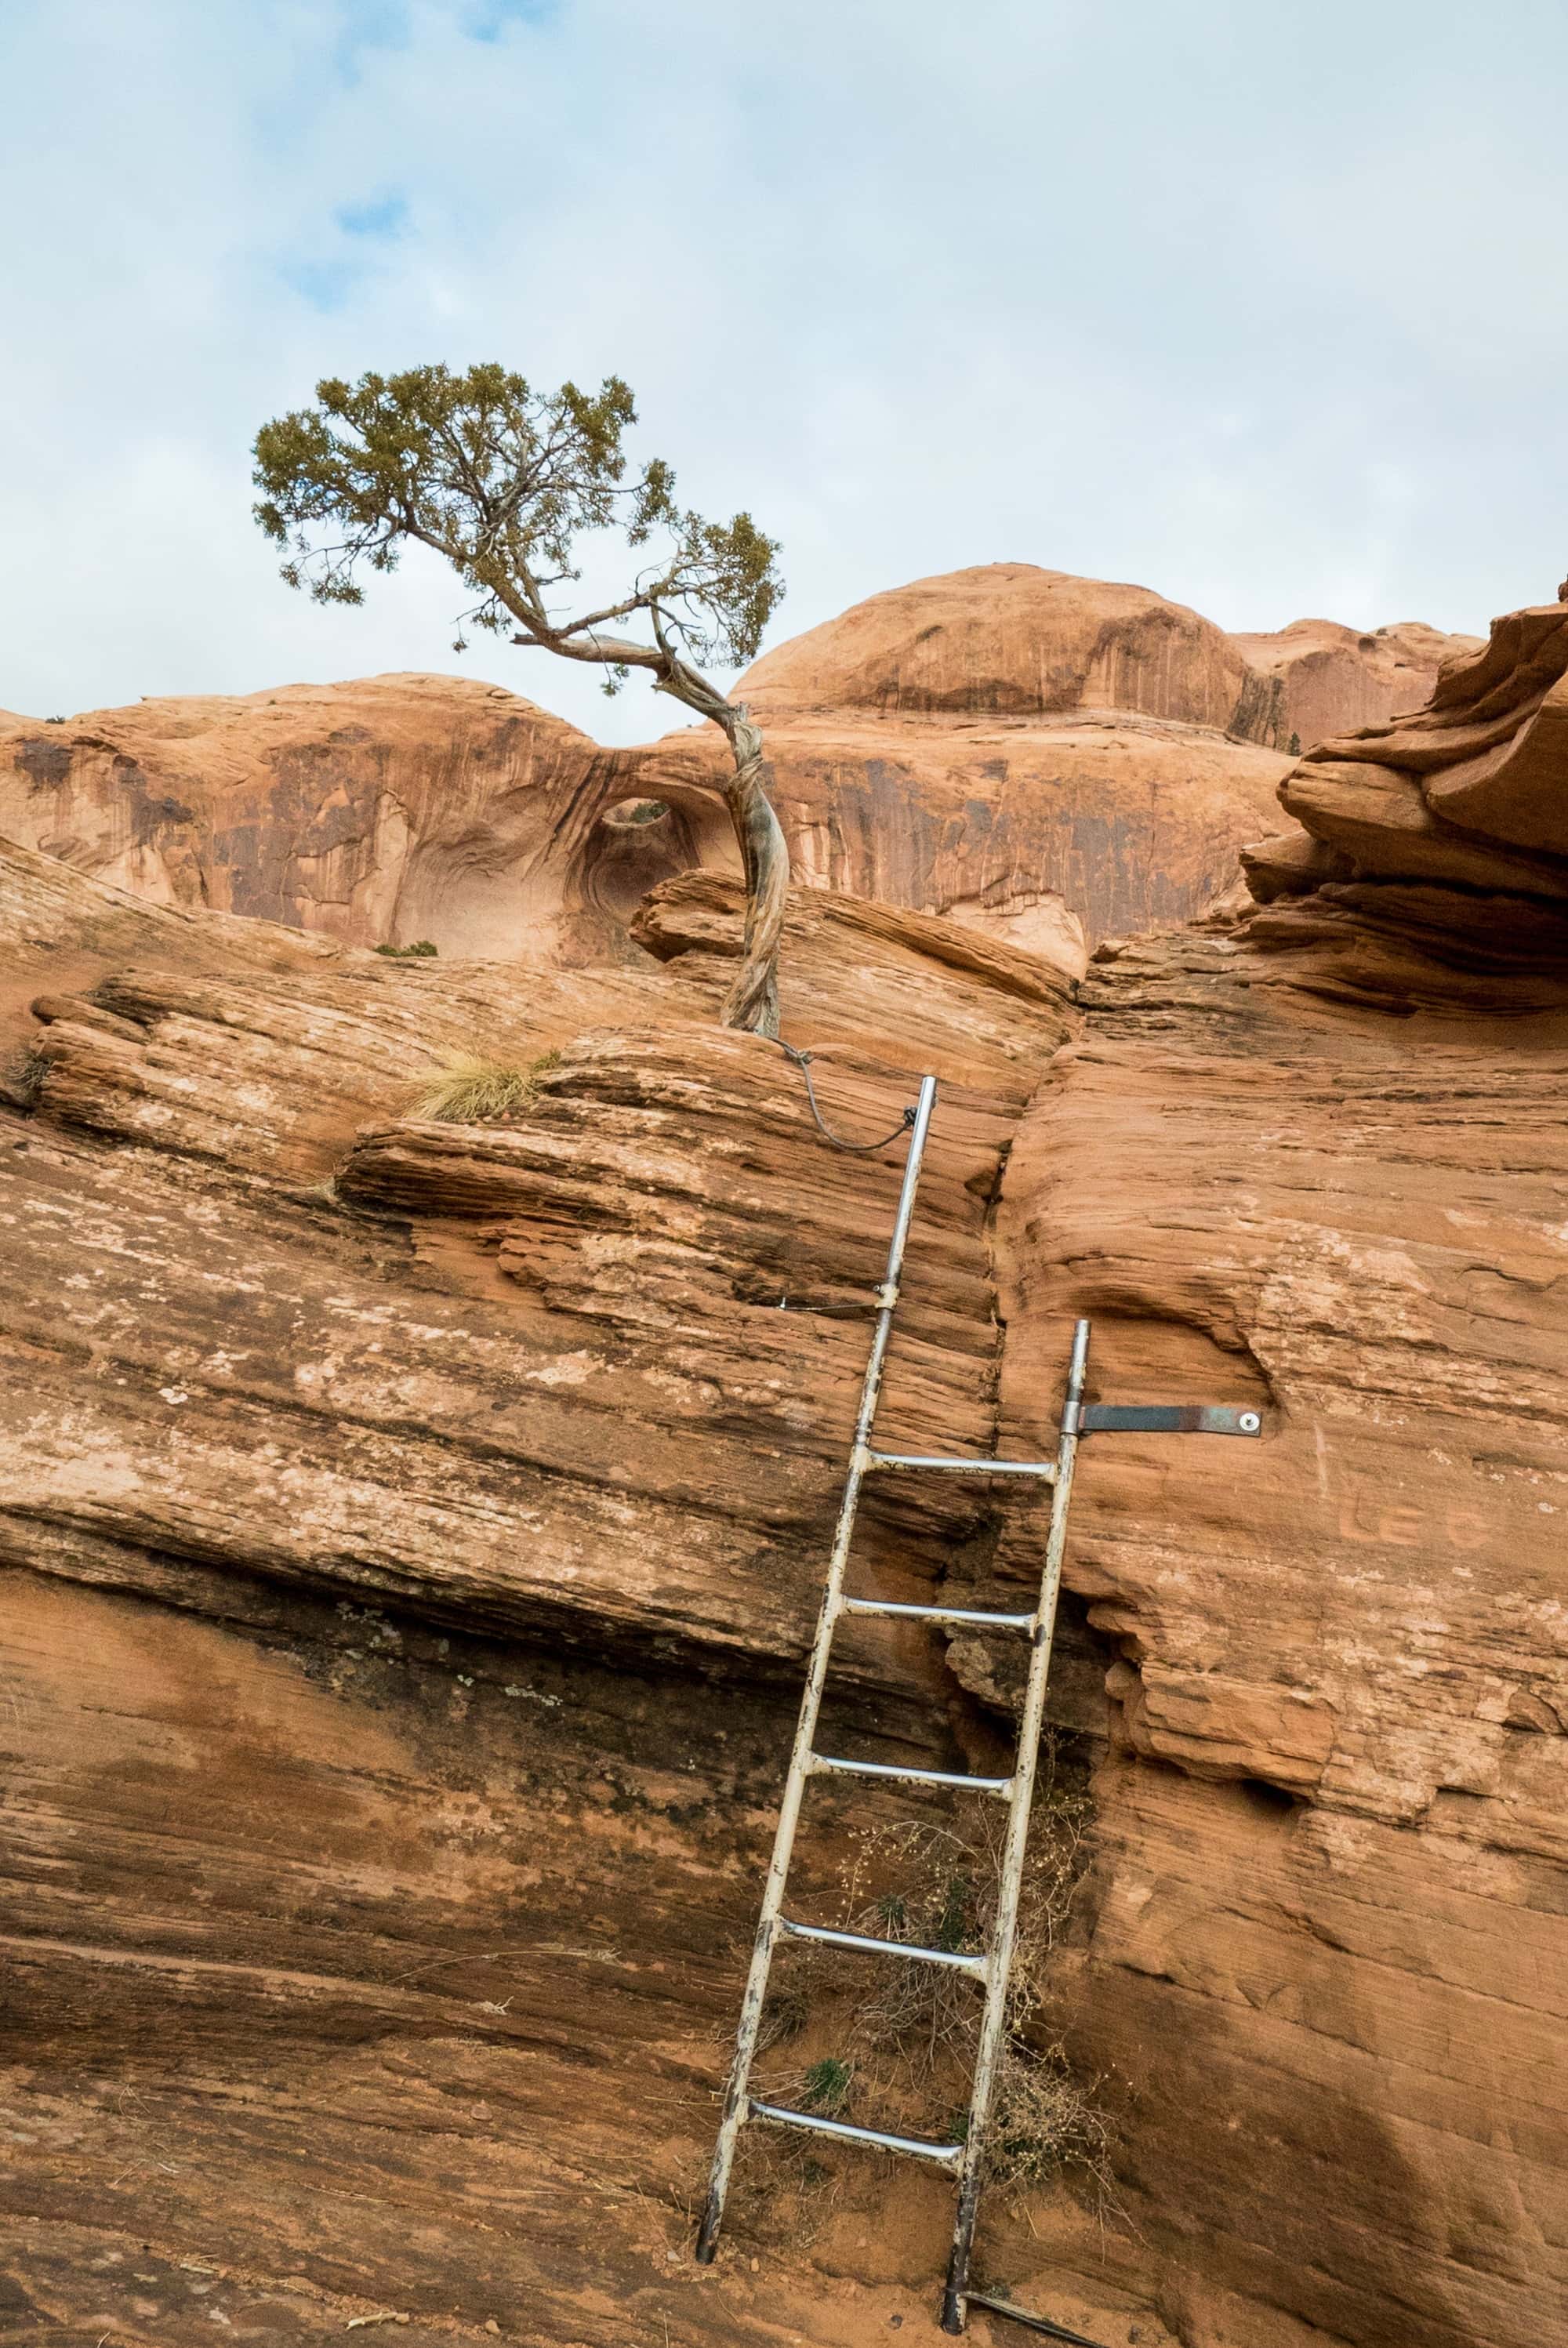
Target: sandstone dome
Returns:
[1009, 639]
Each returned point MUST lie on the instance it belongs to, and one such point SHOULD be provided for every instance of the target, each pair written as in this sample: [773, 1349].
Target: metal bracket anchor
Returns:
[1166, 1418]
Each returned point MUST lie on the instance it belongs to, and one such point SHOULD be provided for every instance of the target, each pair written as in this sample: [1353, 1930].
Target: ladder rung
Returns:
[949, 2155]
[1002, 1785]
[1046, 1469]
[960, 1964]
[940, 1614]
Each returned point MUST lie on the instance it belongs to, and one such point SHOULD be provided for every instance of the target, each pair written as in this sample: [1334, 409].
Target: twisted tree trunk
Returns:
[753, 1001]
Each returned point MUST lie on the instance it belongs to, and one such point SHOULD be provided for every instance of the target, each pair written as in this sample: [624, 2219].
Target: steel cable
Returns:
[852, 1149]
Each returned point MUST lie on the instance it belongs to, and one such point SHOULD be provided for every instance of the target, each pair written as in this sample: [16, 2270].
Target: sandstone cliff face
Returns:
[388, 811]
[1046, 759]
[409, 1535]
[1324, 1932]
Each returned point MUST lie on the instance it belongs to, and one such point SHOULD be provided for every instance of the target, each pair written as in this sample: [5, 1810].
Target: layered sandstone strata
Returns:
[1323, 1942]
[410, 1534]
[1432, 856]
[364, 1536]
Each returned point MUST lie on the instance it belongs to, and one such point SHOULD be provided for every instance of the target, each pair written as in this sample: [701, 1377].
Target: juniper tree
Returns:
[504, 481]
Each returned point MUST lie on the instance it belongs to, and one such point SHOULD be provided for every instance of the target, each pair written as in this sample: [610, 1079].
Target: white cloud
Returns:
[1260, 307]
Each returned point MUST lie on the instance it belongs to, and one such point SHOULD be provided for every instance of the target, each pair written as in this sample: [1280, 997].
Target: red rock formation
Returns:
[1433, 858]
[1007, 639]
[1046, 758]
[1046, 833]
[1043, 757]
[409, 1533]
[1316, 678]
[392, 810]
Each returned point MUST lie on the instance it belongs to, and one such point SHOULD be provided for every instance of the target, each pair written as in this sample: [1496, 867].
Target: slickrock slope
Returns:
[1011, 640]
[1007, 639]
[1041, 757]
[406, 1577]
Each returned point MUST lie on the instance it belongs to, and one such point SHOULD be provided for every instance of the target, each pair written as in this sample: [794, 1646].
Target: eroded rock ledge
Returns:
[1431, 861]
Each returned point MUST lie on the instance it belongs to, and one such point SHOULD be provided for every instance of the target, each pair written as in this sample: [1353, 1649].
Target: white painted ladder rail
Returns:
[966, 2160]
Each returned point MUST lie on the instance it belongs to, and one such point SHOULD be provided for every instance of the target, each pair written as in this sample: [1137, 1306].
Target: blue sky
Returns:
[1263, 306]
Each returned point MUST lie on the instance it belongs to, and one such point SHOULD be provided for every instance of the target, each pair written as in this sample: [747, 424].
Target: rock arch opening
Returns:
[634, 843]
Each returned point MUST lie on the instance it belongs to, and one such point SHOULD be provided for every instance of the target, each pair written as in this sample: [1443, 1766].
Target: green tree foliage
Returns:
[504, 481]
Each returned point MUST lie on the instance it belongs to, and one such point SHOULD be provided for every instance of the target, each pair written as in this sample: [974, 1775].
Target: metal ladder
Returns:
[964, 2160]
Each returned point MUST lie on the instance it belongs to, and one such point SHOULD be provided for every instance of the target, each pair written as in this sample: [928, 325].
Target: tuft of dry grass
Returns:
[475, 1088]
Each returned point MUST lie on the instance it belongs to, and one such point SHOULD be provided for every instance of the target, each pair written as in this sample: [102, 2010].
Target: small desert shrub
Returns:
[419, 952]
[826, 2086]
[1045, 2119]
[473, 1088]
[634, 811]
[907, 2030]
[22, 1078]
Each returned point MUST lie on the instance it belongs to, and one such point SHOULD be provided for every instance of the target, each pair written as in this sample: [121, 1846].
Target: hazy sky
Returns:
[1260, 303]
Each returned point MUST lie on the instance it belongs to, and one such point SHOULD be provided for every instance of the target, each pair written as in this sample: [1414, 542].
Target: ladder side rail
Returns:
[737, 2093]
[994, 2019]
